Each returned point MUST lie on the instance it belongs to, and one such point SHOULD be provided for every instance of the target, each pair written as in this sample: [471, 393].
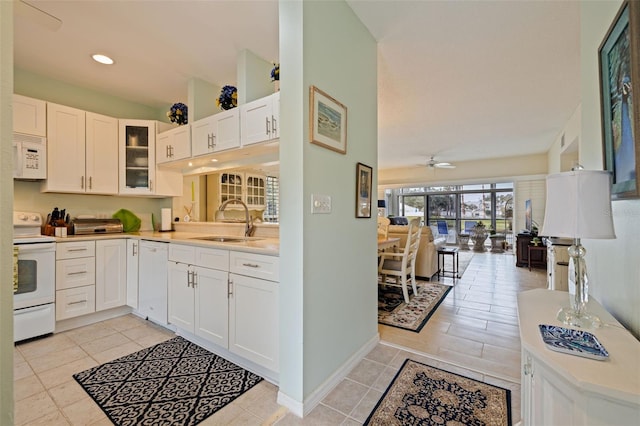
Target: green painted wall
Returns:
[41, 87]
[328, 296]
[613, 264]
[6, 201]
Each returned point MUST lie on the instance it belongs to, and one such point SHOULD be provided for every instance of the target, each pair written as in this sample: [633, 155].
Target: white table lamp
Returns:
[578, 206]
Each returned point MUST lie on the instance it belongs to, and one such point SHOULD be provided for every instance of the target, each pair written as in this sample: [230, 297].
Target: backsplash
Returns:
[27, 197]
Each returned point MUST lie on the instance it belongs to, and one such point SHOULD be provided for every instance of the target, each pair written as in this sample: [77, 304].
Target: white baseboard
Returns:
[301, 409]
[71, 323]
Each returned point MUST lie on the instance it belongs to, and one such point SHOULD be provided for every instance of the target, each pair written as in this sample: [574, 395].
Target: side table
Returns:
[453, 252]
[541, 258]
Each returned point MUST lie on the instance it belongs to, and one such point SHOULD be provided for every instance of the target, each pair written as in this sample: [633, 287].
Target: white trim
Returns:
[304, 408]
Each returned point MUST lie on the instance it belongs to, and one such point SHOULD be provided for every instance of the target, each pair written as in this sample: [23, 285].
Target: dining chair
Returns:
[402, 264]
[383, 227]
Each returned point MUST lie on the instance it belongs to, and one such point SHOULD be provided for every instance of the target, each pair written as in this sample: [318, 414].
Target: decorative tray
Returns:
[574, 342]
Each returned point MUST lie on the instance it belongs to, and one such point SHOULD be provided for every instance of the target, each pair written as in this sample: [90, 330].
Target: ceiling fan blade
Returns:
[38, 16]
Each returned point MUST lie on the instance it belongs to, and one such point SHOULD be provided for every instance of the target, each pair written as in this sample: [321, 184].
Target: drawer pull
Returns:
[77, 302]
[78, 249]
[77, 273]
[250, 265]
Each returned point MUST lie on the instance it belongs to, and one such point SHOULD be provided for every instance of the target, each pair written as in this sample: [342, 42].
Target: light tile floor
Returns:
[473, 333]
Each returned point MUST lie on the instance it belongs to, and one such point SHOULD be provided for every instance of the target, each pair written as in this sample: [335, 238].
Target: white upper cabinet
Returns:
[137, 156]
[218, 132]
[138, 172]
[260, 120]
[101, 154]
[29, 116]
[174, 144]
[66, 149]
[82, 151]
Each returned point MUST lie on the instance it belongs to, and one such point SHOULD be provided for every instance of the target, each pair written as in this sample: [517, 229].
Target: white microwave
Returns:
[29, 156]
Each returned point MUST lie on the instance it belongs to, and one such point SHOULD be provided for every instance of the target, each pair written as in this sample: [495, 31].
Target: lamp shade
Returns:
[579, 205]
[382, 204]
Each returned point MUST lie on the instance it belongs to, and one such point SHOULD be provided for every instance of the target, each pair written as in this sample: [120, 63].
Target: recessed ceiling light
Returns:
[103, 59]
[214, 160]
[190, 164]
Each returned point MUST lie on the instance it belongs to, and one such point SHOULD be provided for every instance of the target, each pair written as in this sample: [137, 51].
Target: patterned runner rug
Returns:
[393, 311]
[172, 383]
[413, 316]
[424, 395]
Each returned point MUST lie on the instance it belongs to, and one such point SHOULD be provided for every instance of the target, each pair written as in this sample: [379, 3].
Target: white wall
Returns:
[328, 273]
[493, 170]
[534, 190]
[613, 265]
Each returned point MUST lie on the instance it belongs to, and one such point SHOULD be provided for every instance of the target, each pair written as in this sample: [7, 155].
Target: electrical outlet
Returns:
[320, 204]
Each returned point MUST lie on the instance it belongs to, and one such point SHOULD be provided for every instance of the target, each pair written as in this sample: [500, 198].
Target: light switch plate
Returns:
[320, 204]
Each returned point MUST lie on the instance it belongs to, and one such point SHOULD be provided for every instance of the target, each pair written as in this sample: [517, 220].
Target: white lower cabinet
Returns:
[253, 320]
[90, 276]
[237, 311]
[564, 389]
[197, 294]
[75, 279]
[111, 274]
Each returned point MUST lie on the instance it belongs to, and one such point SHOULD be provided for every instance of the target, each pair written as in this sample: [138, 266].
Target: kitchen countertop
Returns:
[259, 245]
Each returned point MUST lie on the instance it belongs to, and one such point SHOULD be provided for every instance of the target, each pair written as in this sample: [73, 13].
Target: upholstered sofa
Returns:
[427, 260]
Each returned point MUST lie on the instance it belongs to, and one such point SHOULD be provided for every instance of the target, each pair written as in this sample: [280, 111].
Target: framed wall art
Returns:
[364, 181]
[619, 59]
[327, 121]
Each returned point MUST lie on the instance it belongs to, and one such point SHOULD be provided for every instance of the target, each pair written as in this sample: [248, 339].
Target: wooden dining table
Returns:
[387, 243]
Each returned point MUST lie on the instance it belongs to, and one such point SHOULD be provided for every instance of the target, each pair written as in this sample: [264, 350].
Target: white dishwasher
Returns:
[153, 279]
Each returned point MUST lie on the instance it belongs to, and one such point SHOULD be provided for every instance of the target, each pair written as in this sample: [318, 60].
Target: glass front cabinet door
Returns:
[137, 156]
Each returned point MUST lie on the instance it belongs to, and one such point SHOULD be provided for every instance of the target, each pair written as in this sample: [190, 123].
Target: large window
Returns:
[459, 206]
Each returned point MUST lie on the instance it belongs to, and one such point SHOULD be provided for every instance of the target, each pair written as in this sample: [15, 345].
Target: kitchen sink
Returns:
[223, 239]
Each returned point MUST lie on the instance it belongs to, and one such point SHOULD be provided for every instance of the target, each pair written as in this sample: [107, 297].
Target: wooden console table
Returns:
[562, 389]
[538, 257]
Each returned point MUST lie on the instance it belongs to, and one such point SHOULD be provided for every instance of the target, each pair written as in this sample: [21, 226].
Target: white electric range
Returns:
[34, 282]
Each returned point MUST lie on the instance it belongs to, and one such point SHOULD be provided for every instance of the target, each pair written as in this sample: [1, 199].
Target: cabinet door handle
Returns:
[150, 185]
[210, 140]
[230, 287]
[77, 302]
[268, 125]
[77, 273]
[81, 182]
[250, 265]
[77, 249]
[134, 247]
[274, 125]
[194, 279]
[90, 182]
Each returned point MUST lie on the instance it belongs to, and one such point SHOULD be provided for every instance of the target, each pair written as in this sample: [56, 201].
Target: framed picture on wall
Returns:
[619, 59]
[327, 121]
[364, 181]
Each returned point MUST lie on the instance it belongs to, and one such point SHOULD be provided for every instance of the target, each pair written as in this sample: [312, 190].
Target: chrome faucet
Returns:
[249, 228]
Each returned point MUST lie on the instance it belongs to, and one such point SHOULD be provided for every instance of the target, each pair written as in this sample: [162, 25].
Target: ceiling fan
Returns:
[433, 164]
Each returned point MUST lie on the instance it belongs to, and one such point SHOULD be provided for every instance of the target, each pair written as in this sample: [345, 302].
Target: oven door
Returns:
[36, 275]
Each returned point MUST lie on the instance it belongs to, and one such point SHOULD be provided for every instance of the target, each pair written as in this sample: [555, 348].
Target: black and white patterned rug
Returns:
[172, 383]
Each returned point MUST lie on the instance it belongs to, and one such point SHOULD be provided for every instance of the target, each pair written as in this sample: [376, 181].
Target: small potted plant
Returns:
[275, 76]
[228, 98]
[178, 114]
